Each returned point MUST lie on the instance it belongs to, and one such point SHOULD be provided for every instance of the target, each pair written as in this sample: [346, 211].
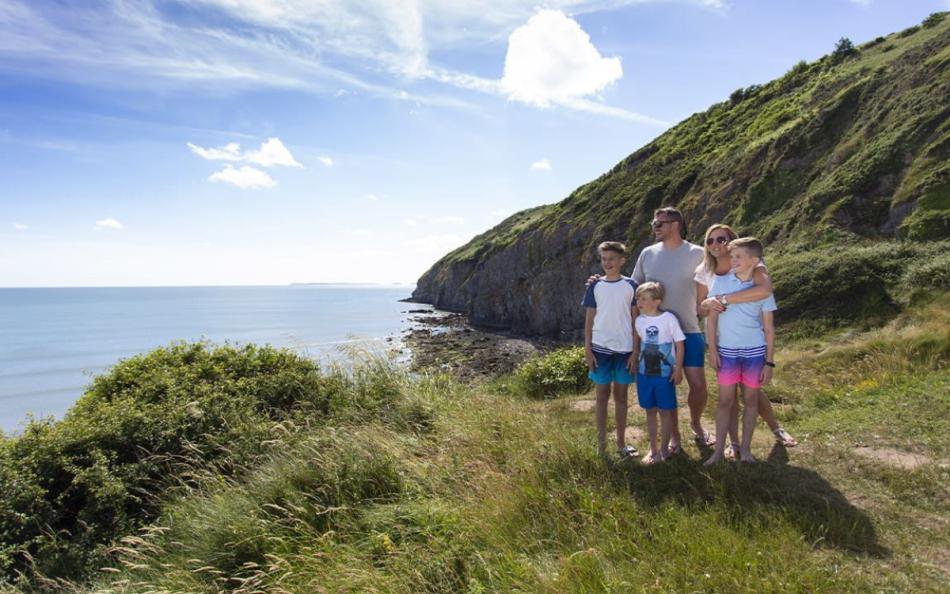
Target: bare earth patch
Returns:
[893, 457]
[583, 405]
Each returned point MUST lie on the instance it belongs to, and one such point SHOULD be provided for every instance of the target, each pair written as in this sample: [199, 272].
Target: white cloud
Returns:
[371, 197]
[20, 226]
[271, 152]
[246, 178]
[542, 165]
[322, 46]
[326, 160]
[551, 59]
[108, 223]
[228, 152]
[502, 213]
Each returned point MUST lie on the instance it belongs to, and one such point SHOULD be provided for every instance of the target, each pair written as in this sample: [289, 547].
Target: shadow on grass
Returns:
[802, 496]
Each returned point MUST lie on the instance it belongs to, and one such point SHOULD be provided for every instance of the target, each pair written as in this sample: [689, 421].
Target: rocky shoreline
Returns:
[445, 341]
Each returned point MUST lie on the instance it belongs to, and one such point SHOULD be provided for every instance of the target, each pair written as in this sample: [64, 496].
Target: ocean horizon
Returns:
[56, 339]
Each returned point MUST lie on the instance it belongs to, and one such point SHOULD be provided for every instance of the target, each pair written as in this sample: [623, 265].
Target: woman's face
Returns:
[716, 243]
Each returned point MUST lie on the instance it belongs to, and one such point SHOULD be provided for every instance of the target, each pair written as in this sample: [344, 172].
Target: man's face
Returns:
[665, 227]
[611, 261]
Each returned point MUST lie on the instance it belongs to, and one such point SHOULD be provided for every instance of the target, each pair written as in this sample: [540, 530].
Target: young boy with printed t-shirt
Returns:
[608, 341]
[742, 344]
[659, 350]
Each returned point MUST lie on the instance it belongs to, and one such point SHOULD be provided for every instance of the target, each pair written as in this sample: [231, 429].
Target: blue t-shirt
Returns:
[613, 322]
[740, 326]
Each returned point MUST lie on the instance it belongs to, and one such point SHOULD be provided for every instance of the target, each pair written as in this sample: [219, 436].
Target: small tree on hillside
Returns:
[843, 49]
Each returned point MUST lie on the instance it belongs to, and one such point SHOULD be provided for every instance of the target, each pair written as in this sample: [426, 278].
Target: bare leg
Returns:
[727, 398]
[768, 415]
[750, 397]
[620, 414]
[766, 412]
[600, 416]
[733, 451]
[666, 424]
[651, 456]
[696, 398]
[675, 439]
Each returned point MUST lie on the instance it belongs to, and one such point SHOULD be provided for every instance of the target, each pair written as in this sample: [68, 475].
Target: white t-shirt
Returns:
[613, 322]
[658, 335]
[703, 276]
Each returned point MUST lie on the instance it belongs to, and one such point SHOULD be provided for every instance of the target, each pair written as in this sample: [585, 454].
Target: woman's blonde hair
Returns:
[709, 261]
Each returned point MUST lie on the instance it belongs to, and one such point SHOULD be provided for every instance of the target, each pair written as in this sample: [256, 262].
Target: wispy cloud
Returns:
[20, 226]
[272, 152]
[371, 197]
[542, 165]
[246, 178]
[108, 223]
[326, 160]
[323, 46]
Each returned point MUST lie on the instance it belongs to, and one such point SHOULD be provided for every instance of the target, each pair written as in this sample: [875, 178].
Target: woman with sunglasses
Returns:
[716, 262]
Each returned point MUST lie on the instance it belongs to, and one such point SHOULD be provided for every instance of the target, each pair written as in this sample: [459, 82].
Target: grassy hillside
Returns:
[500, 492]
[850, 149]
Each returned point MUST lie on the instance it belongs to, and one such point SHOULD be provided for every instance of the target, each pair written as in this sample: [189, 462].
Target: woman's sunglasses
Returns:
[720, 239]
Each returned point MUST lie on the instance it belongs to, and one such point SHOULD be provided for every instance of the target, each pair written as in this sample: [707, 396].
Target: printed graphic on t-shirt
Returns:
[658, 336]
[656, 358]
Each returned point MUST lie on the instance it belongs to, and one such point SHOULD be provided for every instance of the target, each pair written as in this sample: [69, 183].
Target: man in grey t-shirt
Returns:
[672, 261]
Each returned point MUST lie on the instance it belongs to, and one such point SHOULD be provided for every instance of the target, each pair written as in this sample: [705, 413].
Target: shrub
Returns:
[153, 422]
[934, 19]
[856, 284]
[563, 371]
[843, 49]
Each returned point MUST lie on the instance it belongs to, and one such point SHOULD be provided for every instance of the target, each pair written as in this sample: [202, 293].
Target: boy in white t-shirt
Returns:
[659, 351]
[608, 341]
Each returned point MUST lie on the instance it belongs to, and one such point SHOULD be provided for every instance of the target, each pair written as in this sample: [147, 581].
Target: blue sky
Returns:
[207, 142]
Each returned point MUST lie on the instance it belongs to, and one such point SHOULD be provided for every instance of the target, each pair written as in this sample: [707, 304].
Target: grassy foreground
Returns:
[501, 493]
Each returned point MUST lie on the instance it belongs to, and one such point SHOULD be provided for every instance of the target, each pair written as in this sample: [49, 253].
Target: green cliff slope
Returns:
[850, 149]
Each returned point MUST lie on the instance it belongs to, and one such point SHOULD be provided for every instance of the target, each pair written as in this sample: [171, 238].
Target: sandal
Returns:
[675, 449]
[732, 452]
[785, 438]
[707, 439]
[627, 452]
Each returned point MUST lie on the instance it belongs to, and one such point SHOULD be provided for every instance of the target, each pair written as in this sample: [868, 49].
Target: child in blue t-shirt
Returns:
[608, 342]
[742, 344]
[659, 351]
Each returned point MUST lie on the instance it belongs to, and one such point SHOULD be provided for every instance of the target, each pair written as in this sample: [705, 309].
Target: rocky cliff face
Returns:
[853, 147]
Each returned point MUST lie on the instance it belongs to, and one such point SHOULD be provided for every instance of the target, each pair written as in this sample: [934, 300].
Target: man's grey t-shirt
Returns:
[674, 269]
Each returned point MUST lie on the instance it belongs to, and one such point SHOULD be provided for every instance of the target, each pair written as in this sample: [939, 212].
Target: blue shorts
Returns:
[611, 369]
[694, 350]
[656, 391]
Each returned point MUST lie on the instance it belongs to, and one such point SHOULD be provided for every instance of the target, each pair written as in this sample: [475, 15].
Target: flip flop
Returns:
[675, 449]
[706, 439]
[627, 452]
[785, 438]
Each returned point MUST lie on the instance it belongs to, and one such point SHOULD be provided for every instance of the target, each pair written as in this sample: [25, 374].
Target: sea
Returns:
[53, 341]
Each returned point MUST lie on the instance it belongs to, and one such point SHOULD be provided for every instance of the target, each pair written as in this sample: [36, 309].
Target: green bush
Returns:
[158, 421]
[855, 284]
[563, 371]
